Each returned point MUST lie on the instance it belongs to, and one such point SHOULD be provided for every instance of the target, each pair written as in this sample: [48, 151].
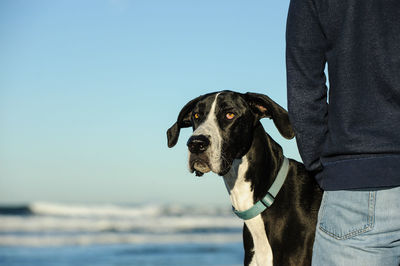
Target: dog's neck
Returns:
[248, 181]
[251, 176]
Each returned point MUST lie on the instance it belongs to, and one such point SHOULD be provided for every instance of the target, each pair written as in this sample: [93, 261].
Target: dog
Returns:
[277, 198]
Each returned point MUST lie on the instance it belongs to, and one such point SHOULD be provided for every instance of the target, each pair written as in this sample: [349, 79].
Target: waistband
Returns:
[360, 173]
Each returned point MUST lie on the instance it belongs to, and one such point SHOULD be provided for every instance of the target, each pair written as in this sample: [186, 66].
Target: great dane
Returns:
[275, 196]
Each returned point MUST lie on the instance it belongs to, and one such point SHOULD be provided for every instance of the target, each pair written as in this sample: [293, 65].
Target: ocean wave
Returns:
[63, 224]
[110, 238]
[109, 210]
[15, 210]
[156, 225]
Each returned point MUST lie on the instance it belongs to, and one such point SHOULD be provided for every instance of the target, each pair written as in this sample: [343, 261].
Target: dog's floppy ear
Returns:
[263, 106]
[182, 122]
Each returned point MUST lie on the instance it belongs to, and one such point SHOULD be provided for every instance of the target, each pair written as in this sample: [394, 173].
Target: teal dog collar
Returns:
[267, 201]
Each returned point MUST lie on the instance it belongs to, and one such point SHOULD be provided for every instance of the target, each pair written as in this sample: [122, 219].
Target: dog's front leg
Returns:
[248, 246]
[257, 251]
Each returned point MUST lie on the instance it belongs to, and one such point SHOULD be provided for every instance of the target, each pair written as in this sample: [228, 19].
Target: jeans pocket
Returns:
[346, 214]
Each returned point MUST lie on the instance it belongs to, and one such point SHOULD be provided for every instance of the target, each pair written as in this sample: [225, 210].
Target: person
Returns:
[349, 135]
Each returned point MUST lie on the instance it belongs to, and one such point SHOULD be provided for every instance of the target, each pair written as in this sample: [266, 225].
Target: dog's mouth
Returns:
[199, 165]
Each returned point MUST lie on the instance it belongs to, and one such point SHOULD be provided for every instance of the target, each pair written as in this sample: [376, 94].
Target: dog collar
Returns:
[267, 201]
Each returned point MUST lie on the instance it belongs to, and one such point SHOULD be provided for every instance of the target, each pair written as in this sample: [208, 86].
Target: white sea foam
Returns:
[62, 224]
[76, 224]
[109, 238]
[44, 208]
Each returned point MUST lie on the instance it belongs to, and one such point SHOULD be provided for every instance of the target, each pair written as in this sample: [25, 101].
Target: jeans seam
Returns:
[371, 208]
[323, 204]
[366, 228]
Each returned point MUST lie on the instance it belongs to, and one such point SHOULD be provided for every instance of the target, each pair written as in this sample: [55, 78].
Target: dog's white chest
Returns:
[262, 249]
[241, 196]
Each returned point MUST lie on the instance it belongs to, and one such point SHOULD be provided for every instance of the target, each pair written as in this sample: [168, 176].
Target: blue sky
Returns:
[89, 88]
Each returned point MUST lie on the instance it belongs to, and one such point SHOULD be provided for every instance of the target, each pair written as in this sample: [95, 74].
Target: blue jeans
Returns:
[358, 228]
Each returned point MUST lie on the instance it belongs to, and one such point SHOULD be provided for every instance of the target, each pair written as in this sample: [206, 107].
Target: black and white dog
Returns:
[229, 140]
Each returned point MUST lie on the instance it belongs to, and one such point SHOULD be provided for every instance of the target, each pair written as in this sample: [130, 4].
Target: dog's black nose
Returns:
[198, 144]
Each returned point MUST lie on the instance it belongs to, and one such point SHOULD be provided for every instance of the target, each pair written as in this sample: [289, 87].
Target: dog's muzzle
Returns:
[198, 144]
[198, 160]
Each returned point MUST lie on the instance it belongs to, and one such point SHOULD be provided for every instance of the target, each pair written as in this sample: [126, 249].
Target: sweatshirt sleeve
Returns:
[306, 81]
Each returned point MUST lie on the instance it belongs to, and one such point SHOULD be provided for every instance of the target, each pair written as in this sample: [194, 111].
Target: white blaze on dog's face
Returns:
[211, 158]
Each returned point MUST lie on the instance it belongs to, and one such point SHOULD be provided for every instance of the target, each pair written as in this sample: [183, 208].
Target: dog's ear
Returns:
[184, 120]
[263, 106]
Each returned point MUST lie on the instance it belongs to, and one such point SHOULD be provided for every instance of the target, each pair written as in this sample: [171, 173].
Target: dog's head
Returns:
[223, 124]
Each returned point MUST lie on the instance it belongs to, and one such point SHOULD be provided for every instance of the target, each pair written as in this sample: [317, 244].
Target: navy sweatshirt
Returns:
[349, 135]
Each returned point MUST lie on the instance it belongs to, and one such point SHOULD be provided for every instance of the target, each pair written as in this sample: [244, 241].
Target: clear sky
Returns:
[89, 88]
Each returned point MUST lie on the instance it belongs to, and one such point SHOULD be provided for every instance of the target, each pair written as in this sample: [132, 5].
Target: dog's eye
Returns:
[230, 116]
[196, 116]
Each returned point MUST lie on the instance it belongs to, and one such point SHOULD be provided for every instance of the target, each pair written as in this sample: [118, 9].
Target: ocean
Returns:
[51, 234]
